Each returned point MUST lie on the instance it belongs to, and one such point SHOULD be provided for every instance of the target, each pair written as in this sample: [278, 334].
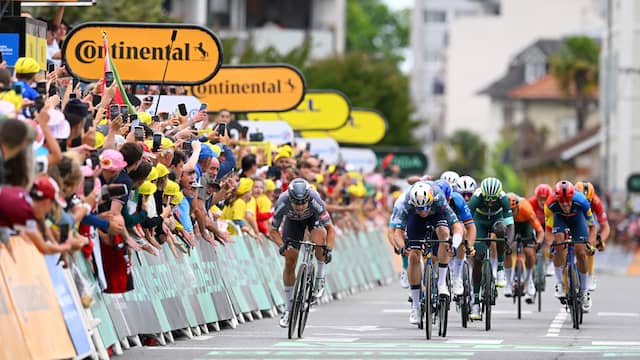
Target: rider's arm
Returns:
[598, 209]
[331, 235]
[530, 216]
[398, 237]
[278, 214]
[508, 218]
[471, 234]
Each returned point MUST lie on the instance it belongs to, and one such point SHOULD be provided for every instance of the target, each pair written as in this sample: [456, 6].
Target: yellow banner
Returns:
[244, 88]
[142, 51]
[366, 127]
[319, 110]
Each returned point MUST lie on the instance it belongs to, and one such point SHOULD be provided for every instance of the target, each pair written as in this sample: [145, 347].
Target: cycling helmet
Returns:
[491, 188]
[445, 187]
[421, 195]
[299, 191]
[586, 188]
[543, 190]
[466, 185]
[564, 191]
[514, 200]
[450, 176]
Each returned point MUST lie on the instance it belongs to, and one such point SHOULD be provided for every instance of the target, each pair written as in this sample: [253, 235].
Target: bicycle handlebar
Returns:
[312, 244]
[491, 239]
[571, 241]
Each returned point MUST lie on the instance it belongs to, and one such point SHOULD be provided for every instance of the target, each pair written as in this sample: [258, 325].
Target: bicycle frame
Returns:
[488, 291]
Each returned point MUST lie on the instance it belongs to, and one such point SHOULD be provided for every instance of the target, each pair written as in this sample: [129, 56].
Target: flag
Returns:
[121, 96]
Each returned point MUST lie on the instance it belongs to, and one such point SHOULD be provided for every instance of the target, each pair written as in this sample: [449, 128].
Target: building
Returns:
[430, 22]
[481, 48]
[528, 107]
[282, 24]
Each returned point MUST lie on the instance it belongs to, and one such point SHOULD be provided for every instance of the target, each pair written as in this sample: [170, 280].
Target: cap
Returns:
[284, 152]
[177, 199]
[162, 170]
[147, 188]
[112, 160]
[206, 152]
[172, 188]
[75, 111]
[26, 65]
[153, 175]
[269, 185]
[244, 186]
[144, 117]
[46, 188]
[99, 140]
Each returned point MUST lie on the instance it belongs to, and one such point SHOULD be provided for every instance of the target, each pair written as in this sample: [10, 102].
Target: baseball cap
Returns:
[46, 188]
[112, 160]
[15, 206]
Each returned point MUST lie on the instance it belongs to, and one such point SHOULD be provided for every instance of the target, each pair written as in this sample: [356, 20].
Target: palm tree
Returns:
[463, 151]
[576, 69]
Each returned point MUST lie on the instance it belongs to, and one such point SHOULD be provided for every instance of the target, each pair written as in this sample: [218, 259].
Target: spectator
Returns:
[54, 54]
[26, 69]
[15, 140]
[263, 203]
[249, 166]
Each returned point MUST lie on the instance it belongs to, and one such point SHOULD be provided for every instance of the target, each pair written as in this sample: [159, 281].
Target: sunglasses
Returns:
[422, 208]
[491, 197]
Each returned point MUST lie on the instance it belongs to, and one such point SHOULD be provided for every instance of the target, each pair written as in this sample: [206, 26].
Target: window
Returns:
[465, 13]
[567, 129]
[219, 14]
[434, 16]
[534, 71]
[286, 14]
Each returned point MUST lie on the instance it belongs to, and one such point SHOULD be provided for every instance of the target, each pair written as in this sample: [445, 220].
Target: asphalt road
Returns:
[374, 325]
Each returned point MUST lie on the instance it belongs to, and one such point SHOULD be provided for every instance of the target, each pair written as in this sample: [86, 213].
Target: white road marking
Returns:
[510, 312]
[615, 343]
[619, 314]
[475, 341]
[396, 311]
[556, 324]
[203, 337]
[328, 339]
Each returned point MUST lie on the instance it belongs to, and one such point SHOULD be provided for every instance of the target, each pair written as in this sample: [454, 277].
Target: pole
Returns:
[609, 102]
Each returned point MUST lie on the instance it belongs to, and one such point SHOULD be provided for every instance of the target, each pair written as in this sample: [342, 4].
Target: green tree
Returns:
[463, 152]
[576, 68]
[372, 27]
[109, 10]
[503, 170]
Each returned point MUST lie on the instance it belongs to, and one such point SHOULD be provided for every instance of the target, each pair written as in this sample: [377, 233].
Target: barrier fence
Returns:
[42, 315]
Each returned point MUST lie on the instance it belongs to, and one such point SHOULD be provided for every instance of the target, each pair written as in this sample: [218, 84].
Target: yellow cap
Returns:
[319, 178]
[144, 117]
[153, 175]
[177, 199]
[162, 170]
[284, 152]
[216, 149]
[215, 210]
[331, 169]
[147, 188]
[245, 185]
[99, 139]
[166, 143]
[172, 188]
[269, 185]
[26, 65]
[104, 122]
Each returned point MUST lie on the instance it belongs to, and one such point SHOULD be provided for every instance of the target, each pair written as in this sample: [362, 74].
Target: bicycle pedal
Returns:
[409, 299]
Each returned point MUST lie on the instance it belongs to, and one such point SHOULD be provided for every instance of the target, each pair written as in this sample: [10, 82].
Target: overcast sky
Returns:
[398, 4]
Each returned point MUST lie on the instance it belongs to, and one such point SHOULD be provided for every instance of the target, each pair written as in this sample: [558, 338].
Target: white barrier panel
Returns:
[278, 132]
[326, 148]
[358, 159]
[169, 103]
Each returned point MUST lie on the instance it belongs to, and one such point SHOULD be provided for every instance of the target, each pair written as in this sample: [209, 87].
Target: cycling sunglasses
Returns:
[298, 202]
[491, 197]
[423, 208]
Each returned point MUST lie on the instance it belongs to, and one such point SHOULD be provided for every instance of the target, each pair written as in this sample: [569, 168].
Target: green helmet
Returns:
[491, 188]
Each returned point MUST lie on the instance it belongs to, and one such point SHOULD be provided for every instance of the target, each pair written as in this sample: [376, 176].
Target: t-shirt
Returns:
[182, 214]
[122, 178]
[264, 203]
[15, 207]
[235, 211]
[52, 50]
[252, 206]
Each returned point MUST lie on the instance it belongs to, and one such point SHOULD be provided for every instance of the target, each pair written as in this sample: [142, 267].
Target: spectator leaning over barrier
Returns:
[263, 205]
[15, 140]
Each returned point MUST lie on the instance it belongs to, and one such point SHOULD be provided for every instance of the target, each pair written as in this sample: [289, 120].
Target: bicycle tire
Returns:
[519, 287]
[539, 301]
[423, 296]
[466, 294]
[573, 296]
[487, 275]
[307, 300]
[295, 306]
[444, 316]
[427, 300]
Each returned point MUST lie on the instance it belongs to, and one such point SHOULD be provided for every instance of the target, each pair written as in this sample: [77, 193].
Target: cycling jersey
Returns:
[539, 211]
[527, 215]
[402, 209]
[598, 209]
[483, 213]
[460, 207]
[315, 209]
[577, 219]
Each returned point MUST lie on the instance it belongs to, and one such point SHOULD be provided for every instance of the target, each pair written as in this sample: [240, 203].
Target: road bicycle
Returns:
[488, 292]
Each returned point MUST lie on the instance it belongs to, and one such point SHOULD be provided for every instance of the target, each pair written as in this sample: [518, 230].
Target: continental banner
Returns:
[189, 54]
[252, 88]
[365, 127]
[320, 110]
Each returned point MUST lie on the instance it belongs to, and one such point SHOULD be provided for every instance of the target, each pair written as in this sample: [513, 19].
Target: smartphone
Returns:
[96, 99]
[64, 233]
[157, 142]
[172, 91]
[244, 131]
[114, 110]
[182, 109]
[89, 185]
[139, 133]
[221, 128]
[186, 146]
[124, 111]
[203, 106]
[75, 83]
[108, 78]
[63, 144]
[95, 159]
[164, 116]
[307, 147]
[41, 87]
[134, 120]
[73, 96]
[1, 57]
[51, 68]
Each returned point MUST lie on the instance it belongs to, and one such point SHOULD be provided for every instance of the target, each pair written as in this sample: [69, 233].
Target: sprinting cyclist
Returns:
[425, 206]
[466, 186]
[537, 201]
[598, 210]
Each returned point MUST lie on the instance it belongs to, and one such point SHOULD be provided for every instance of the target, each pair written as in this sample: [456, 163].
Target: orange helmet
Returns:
[514, 200]
[586, 188]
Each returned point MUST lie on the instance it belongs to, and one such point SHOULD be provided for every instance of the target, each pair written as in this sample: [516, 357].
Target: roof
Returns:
[546, 88]
[501, 87]
[567, 150]
[547, 48]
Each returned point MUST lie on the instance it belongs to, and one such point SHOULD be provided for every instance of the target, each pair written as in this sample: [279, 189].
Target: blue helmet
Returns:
[445, 187]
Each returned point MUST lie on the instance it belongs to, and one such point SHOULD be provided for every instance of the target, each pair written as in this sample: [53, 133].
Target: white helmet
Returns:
[451, 177]
[466, 185]
[421, 194]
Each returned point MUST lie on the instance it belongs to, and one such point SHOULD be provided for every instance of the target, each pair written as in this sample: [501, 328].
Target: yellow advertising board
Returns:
[191, 54]
[319, 110]
[365, 127]
[248, 88]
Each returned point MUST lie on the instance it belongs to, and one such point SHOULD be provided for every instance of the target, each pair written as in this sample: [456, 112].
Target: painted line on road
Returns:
[619, 314]
[615, 343]
[510, 312]
[475, 341]
[396, 311]
[328, 339]
[556, 324]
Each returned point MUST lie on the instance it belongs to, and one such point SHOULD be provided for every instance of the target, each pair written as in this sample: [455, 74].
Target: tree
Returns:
[576, 69]
[463, 152]
[502, 168]
[110, 10]
[373, 28]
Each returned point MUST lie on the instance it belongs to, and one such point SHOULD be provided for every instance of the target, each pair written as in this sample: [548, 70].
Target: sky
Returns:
[398, 4]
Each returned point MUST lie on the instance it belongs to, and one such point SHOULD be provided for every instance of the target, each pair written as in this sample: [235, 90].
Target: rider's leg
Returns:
[529, 261]
[443, 254]
[508, 265]
[289, 274]
[415, 277]
[319, 236]
[494, 258]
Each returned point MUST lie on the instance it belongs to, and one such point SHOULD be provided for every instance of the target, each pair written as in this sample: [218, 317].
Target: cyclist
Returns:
[491, 210]
[451, 177]
[537, 201]
[459, 206]
[568, 208]
[466, 186]
[598, 210]
[525, 223]
[425, 206]
[404, 279]
[302, 209]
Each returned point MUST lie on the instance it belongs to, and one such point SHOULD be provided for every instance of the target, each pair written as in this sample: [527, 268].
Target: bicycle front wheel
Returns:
[574, 303]
[466, 294]
[428, 274]
[298, 294]
[308, 298]
[487, 274]
[519, 287]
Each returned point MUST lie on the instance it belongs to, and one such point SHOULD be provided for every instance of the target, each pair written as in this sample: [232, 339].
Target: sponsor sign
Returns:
[365, 127]
[356, 159]
[326, 148]
[191, 54]
[278, 132]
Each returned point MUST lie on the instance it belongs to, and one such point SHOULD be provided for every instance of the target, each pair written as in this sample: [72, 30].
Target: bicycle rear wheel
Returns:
[466, 295]
[487, 274]
[539, 278]
[298, 291]
[307, 300]
[428, 273]
[519, 270]
[574, 304]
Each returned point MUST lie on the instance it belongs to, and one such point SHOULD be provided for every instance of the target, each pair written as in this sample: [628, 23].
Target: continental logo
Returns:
[191, 54]
[252, 88]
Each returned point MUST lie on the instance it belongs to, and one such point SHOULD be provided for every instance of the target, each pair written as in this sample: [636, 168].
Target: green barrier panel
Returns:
[372, 271]
[269, 264]
[248, 264]
[221, 309]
